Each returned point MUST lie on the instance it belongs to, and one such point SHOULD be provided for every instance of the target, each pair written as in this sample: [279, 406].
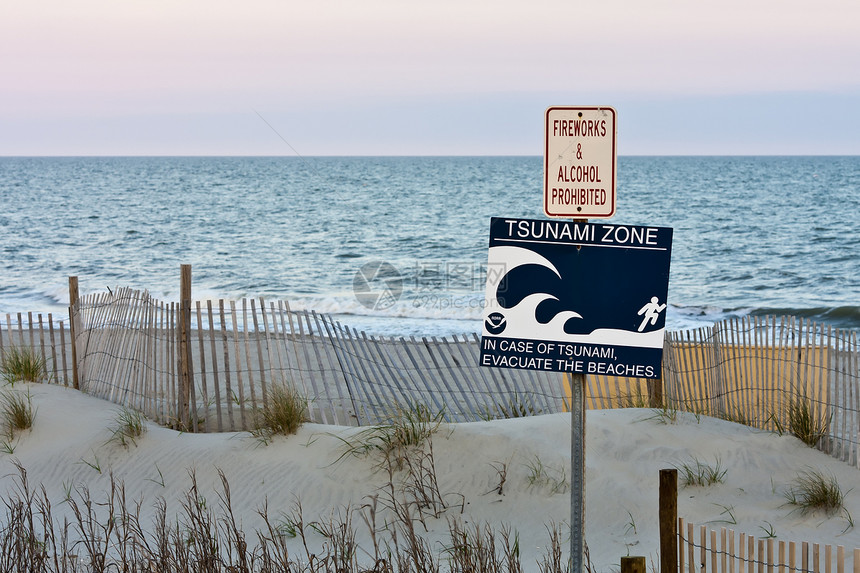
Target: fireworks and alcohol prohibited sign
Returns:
[580, 162]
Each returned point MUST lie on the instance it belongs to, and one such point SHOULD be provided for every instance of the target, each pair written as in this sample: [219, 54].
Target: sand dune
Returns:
[68, 447]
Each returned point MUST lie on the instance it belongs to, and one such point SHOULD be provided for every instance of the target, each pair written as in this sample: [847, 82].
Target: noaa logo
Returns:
[495, 323]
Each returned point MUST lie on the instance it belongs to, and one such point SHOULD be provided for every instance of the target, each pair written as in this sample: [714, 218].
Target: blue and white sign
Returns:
[577, 297]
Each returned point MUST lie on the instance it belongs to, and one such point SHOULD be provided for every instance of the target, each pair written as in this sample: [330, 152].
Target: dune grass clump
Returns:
[17, 413]
[478, 547]
[22, 365]
[284, 414]
[698, 473]
[517, 406]
[666, 413]
[129, 426]
[409, 428]
[543, 476]
[813, 490]
[17, 410]
[803, 424]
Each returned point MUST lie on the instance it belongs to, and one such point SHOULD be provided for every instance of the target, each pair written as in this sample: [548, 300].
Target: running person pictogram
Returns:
[651, 311]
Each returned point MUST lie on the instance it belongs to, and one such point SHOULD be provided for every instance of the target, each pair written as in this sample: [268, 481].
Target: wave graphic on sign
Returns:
[521, 318]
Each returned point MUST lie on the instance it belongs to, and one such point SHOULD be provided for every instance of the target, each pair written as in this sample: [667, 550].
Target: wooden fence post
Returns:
[74, 328]
[669, 521]
[185, 346]
[655, 391]
[633, 564]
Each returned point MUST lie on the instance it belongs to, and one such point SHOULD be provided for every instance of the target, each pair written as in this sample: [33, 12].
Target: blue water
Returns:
[753, 235]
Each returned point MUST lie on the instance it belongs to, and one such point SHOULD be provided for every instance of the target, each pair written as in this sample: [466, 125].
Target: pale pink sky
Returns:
[441, 77]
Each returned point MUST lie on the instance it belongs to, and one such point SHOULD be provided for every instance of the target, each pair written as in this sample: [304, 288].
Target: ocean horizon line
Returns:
[414, 156]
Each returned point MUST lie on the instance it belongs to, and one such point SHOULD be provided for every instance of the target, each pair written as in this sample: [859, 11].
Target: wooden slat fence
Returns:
[604, 392]
[127, 353]
[776, 373]
[761, 371]
[50, 340]
[726, 551]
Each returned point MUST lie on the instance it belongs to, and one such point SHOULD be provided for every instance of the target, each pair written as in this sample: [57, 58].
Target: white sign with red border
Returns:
[580, 162]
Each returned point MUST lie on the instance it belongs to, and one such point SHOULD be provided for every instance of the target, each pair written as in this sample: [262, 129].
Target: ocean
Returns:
[397, 246]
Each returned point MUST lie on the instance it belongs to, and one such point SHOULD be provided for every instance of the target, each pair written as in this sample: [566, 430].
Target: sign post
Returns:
[580, 143]
[577, 473]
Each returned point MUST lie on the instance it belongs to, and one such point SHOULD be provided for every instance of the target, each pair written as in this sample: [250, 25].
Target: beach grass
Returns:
[698, 473]
[129, 425]
[410, 427]
[22, 365]
[17, 411]
[284, 414]
[111, 534]
[517, 406]
[803, 424]
[541, 475]
[813, 490]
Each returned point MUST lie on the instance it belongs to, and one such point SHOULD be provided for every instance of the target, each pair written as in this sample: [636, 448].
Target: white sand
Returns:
[625, 451]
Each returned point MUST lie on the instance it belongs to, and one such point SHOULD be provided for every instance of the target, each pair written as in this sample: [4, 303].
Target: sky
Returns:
[440, 77]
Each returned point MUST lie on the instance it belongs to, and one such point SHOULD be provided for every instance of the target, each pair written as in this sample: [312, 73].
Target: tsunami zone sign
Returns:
[567, 296]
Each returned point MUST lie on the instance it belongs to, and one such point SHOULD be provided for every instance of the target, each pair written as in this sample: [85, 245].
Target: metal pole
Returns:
[184, 332]
[577, 466]
[577, 474]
